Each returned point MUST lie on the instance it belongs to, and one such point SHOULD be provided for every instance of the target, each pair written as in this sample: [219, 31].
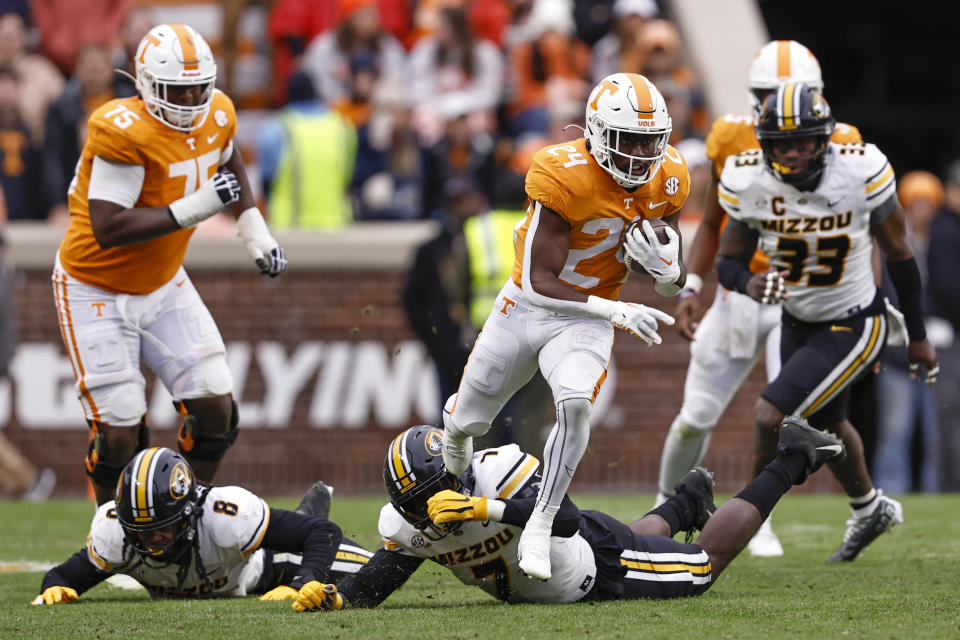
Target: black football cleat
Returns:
[316, 501]
[697, 486]
[862, 531]
[819, 447]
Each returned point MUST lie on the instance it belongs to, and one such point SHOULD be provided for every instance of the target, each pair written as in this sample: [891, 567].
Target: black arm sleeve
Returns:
[518, 510]
[905, 276]
[375, 581]
[733, 273]
[77, 572]
[315, 539]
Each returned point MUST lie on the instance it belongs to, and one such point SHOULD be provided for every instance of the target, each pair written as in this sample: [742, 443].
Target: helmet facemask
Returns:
[156, 95]
[803, 168]
[184, 531]
[413, 505]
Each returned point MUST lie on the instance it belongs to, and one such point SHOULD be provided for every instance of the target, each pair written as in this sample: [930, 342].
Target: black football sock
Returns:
[774, 481]
[677, 511]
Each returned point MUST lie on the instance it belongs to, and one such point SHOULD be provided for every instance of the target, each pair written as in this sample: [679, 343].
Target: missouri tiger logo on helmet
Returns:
[413, 471]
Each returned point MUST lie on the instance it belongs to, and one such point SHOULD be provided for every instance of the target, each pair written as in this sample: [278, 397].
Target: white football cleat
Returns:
[765, 543]
[457, 453]
[534, 547]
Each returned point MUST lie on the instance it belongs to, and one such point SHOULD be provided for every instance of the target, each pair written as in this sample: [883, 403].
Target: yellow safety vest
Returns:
[489, 239]
[309, 190]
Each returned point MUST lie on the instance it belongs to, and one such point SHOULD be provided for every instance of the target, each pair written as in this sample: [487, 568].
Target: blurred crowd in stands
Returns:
[403, 95]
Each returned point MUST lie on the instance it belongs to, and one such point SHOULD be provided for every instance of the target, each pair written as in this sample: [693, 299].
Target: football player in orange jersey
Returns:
[729, 340]
[559, 308]
[152, 167]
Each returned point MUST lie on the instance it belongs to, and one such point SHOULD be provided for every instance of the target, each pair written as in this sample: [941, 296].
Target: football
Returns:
[659, 229]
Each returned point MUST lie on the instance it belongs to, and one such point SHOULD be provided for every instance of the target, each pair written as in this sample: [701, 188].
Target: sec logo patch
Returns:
[221, 118]
[672, 185]
[417, 541]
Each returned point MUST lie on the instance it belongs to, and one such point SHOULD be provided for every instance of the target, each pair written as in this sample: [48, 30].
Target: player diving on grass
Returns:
[558, 310]
[183, 539]
[472, 524]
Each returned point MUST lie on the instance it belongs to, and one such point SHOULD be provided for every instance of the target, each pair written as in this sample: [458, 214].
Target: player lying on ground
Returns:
[472, 523]
[182, 539]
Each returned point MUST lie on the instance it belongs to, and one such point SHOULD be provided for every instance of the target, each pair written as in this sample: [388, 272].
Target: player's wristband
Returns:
[196, 207]
[692, 286]
[495, 510]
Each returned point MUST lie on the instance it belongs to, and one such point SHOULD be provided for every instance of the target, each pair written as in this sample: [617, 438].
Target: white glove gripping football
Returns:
[774, 289]
[212, 196]
[634, 318]
[260, 244]
[660, 260]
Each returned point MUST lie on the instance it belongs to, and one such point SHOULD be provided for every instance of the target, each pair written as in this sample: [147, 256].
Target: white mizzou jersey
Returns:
[566, 178]
[734, 133]
[484, 554]
[822, 236]
[175, 163]
[230, 531]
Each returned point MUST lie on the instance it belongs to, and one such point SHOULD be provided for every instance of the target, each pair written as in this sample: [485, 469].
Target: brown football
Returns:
[659, 229]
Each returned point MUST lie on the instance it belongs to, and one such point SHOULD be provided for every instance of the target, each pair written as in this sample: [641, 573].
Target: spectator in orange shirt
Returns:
[547, 66]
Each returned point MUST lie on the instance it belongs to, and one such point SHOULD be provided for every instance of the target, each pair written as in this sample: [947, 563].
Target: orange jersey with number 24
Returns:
[566, 178]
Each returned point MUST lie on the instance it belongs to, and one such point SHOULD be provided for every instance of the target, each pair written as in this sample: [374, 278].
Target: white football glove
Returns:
[210, 198]
[662, 261]
[261, 246]
[633, 318]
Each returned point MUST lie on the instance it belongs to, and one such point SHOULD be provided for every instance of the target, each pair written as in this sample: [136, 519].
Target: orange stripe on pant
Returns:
[67, 323]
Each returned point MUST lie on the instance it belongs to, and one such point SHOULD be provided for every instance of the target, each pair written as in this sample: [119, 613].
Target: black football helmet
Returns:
[795, 113]
[157, 489]
[414, 471]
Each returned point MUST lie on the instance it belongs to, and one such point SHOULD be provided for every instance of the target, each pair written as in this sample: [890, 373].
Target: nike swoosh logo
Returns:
[834, 203]
[180, 284]
[837, 327]
[835, 448]
[654, 206]
[210, 139]
[666, 262]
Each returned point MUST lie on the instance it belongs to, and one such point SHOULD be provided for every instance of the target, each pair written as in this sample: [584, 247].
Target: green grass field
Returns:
[905, 586]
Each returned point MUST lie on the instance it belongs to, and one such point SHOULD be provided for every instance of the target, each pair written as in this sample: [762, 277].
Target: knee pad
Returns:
[575, 411]
[459, 427]
[683, 430]
[126, 406]
[198, 443]
[104, 463]
[701, 410]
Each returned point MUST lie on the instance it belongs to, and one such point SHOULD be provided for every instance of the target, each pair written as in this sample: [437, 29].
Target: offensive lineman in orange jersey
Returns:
[152, 167]
[559, 308]
[732, 335]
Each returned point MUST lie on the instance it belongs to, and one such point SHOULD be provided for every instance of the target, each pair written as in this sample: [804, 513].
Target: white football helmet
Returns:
[175, 55]
[777, 62]
[623, 109]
